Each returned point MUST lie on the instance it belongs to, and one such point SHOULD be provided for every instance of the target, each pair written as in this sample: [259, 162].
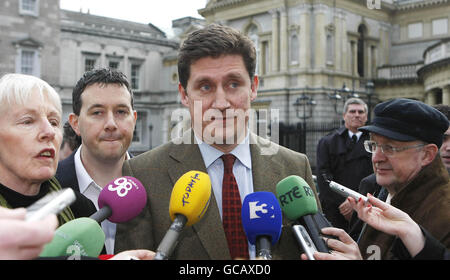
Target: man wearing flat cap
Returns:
[405, 137]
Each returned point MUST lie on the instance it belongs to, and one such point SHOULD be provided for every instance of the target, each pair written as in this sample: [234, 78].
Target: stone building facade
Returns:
[39, 38]
[312, 56]
[320, 49]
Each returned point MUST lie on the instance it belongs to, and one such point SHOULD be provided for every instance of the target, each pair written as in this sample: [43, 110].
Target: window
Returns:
[294, 50]
[114, 65]
[330, 48]
[28, 62]
[361, 55]
[138, 133]
[415, 30]
[265, 58]
[440, 26]
[89, 64]
[29, 7]
[135, 76]
[330, 41]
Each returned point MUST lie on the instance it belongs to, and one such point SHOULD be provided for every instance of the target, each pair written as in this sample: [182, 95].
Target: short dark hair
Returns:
[213, 41]
[101, 76]
[70, 137]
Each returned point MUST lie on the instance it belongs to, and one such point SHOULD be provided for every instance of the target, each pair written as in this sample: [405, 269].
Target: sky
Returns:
[157, 12]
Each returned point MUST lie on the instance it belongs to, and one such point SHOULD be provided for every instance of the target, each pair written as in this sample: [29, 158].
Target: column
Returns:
[431, 97]
[305, 50]
[284, 57]
[355, 58]
[320, 36]
[275, 42]
[446, 95]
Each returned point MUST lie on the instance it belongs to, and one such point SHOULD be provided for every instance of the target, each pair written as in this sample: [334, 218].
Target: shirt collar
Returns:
[84, 180]
[211, 154]
[358, 134]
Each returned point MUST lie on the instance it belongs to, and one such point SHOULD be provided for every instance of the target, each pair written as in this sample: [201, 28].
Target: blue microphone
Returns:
[262, 219]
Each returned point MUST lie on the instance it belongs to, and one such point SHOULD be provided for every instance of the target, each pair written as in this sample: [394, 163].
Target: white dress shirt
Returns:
[358, 134]
[242, 170]
[91, 190]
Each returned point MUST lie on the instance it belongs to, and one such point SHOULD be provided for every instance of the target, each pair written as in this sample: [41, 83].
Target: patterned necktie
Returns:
[231, 211]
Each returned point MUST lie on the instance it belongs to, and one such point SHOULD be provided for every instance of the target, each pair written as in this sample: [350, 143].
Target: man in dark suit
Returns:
[216, 67]
[341, 157]
[104, 117]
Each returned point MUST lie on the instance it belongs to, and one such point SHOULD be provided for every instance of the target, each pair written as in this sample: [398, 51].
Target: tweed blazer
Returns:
[160, 168]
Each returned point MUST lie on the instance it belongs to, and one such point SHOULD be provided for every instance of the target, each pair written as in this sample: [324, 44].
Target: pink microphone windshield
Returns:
[126, 196]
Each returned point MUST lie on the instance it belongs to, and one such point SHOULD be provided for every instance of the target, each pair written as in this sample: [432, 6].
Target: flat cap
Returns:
[404, 119]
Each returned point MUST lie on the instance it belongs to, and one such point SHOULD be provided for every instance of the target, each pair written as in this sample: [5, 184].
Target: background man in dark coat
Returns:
[342, 158]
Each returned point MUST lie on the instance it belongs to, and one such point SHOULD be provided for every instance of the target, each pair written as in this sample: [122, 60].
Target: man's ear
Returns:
[430, 152]
[183, 95]
[73, 121]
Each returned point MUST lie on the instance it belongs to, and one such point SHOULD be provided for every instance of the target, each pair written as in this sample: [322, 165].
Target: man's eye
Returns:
[205, 87]
[234, 85]
[388, 149]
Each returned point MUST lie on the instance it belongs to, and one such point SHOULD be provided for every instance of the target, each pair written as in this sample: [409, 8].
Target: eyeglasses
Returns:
[387, 150]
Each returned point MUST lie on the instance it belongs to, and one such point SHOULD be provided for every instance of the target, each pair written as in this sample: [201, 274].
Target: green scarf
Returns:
[66, 214]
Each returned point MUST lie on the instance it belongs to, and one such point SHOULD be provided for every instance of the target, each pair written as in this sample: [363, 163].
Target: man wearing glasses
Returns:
[405, 138]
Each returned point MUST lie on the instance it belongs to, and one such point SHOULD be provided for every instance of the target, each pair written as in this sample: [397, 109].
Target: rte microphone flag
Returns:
[298, 202]
[262, 220]
[76, 238]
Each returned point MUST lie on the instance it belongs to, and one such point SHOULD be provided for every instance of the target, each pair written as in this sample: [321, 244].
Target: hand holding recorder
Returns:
[23, 240]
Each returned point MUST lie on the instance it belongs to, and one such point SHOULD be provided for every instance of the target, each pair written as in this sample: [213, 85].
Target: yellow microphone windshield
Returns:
[190, 196]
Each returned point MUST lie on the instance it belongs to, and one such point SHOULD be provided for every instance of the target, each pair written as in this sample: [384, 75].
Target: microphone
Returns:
[298, 202]
[188, 203]
[262, 219]
[79, 237]
[121, 200]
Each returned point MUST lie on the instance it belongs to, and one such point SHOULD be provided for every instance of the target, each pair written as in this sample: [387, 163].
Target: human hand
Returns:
[346, 210]
[21, 240]
[388, 219]
[343, 249]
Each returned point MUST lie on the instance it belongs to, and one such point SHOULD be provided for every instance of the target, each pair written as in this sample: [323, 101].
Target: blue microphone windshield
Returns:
[261, 215]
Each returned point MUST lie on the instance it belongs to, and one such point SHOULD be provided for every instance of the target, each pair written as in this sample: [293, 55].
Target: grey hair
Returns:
[355, 100]
[16, 89]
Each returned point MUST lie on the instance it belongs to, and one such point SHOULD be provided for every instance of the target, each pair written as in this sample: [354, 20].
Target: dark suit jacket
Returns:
[67, 177]
[343, 162]
[66, 174]
[160, 168]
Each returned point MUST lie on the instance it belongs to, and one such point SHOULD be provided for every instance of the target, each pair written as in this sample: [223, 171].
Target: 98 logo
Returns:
[121, 185]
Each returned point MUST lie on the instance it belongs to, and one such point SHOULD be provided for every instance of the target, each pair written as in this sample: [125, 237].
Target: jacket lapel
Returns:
[265, 166]
[209, 229]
